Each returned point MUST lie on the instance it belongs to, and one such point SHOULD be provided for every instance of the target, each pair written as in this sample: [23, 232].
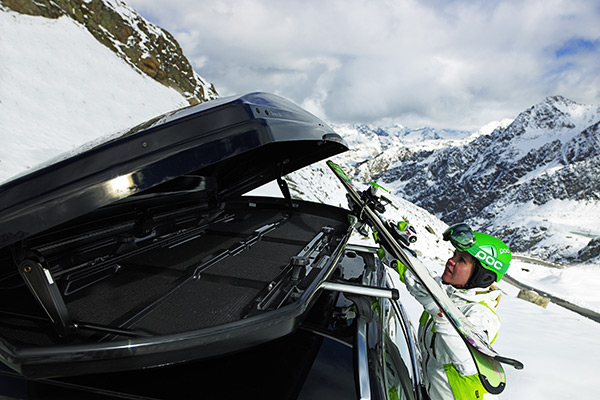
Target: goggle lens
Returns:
[460, 235]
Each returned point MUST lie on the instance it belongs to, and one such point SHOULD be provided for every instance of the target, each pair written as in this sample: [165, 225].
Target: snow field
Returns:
[60, 88]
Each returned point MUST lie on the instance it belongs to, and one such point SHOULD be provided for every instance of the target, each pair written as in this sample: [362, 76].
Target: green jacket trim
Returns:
[464, 387]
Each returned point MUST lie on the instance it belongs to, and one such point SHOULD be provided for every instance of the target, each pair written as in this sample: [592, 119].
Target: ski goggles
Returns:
[460, 235]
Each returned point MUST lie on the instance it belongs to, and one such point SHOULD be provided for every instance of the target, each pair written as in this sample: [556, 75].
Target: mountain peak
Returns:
[530, 183]
[558, 99]
[554, 116]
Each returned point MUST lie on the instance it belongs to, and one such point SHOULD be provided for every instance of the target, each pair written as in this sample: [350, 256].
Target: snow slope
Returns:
[59, 88]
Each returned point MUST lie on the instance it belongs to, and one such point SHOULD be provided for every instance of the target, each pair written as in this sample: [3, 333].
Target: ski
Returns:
[487, 360]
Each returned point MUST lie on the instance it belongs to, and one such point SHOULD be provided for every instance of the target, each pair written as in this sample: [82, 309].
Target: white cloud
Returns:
[457, 64]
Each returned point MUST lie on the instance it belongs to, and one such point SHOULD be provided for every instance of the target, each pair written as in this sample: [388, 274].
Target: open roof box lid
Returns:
[139, 250]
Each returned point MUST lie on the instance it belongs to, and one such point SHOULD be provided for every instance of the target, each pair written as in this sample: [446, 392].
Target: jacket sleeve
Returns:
[447, 345]
[418, 291]
[483, 317]
[451, 344]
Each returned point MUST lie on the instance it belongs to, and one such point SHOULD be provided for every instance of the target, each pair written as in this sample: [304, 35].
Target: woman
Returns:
[478, 261]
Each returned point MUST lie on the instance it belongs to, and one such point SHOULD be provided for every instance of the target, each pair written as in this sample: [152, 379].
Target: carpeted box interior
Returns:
[155, 291]
[208, 279]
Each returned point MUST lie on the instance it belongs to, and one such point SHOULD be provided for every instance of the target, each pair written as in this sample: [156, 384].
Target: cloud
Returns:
[453, 64]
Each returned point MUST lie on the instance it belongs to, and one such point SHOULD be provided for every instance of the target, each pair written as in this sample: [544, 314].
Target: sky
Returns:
[456, 64]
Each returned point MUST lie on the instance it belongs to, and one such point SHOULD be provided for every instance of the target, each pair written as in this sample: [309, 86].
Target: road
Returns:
[593, 315]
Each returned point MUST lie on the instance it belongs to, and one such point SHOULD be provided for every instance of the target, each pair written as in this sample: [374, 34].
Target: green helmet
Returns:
[492, 253]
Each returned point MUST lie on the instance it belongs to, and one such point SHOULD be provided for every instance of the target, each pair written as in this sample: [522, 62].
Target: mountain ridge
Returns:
[548, 153]
[531, 181]
[61, 87]
[148, 48]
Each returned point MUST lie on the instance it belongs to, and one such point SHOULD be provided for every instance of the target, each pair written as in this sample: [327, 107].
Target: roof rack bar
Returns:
[362, 290]
[362, 248]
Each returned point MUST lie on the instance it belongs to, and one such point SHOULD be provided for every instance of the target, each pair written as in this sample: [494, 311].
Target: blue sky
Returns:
[449, 64]
[577, 46]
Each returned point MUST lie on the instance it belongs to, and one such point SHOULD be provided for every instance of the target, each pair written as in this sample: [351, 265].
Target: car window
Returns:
[331, 375]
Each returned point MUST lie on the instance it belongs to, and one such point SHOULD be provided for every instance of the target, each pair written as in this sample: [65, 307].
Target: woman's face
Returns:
[458, 269]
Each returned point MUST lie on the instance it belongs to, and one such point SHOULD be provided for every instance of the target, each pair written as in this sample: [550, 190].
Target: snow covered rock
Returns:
[143, 45]
[532, 181]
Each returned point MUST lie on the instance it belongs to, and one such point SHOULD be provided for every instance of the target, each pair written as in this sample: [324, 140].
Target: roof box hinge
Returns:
[285, 190]
[40, 282]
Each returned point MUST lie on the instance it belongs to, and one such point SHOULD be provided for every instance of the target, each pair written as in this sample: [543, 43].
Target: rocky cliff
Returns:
[549, 154]
[146, 47]
[533, 182]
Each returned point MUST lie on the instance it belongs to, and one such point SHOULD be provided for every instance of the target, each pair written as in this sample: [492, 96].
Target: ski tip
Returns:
[515, 363]
[519, 365]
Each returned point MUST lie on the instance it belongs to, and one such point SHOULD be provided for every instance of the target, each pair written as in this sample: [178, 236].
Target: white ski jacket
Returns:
[449, 371]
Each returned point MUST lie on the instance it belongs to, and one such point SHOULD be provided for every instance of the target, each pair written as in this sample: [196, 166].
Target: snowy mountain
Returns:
[376, 148]
[533, 181]
[74, 71]
[144, 46]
